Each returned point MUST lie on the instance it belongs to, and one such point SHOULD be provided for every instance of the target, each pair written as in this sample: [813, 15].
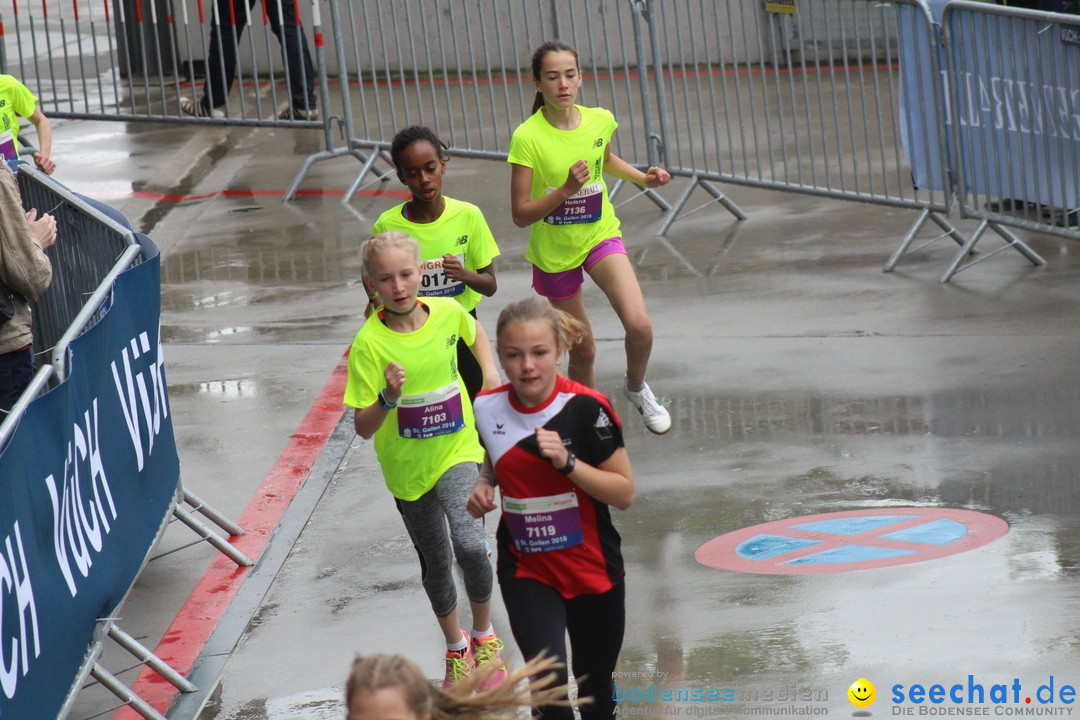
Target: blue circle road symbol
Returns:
[851, 540]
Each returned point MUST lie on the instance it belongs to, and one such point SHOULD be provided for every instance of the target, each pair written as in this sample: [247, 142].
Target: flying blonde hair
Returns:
[464, 700]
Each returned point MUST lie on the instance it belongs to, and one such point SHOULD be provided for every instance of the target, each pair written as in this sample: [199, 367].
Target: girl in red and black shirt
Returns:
[555, 450]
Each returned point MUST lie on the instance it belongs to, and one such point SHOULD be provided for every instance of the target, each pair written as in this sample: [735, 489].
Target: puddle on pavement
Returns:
[235, 389]
[321, 704]
[262, 263]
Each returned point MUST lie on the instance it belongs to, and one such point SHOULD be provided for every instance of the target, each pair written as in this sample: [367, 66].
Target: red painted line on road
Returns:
[206, 605]
[527, 78]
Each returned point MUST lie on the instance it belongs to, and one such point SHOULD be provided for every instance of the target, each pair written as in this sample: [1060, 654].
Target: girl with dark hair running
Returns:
[558, 158]
[456, 244]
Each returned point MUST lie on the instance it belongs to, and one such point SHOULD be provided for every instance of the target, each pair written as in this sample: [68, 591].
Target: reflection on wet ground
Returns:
[264, 260]
[745, 459]
[224, 389]
[319, 704]
[1042, 412]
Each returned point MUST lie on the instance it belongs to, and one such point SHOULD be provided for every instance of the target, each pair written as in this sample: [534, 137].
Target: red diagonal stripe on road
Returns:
[828, 541]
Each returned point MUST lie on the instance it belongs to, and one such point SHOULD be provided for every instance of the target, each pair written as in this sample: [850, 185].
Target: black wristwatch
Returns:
[570, 461]
[387, 405]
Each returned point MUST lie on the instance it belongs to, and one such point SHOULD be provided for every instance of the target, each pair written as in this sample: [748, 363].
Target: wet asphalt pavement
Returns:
[801, 380]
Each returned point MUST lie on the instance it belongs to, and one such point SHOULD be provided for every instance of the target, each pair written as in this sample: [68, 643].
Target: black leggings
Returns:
[540, 619]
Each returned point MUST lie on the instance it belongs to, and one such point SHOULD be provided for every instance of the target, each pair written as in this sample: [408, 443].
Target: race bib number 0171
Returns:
[435, 282]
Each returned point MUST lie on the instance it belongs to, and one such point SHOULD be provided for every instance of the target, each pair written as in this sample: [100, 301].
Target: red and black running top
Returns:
[551, 530]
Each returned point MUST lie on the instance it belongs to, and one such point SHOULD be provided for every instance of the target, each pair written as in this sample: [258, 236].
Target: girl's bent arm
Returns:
[617, 167]
[482, 499]
[611, 482]
[368, 420]
[481, 350]
[526, 211]
[42, 158]
[482, 281]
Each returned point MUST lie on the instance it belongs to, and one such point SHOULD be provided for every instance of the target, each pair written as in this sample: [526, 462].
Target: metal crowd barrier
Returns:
[839, 99]
[466, 73]
[1014, 122]
[845, 99]
[135, 59]
[715, 92]
[804, 102]
[94, 247]
[143, 60]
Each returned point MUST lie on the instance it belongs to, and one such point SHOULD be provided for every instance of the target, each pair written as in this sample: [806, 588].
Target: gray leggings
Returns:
[426, 519]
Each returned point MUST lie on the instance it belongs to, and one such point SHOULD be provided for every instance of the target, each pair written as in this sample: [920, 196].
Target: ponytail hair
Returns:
[538, 62]
[567, 329]
[463, 699]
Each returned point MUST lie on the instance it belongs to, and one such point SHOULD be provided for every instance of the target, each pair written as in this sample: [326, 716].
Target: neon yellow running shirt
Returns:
[461, 230]
[563, 239]
[432, 428]
[15, 100]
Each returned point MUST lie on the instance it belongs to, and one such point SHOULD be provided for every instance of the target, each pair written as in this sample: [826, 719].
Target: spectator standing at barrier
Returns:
[405, 387]
[230, 17]
[456, 244]
[390, 687]
[25, 273]
[558, 159]
[555, 451]
[17, 101]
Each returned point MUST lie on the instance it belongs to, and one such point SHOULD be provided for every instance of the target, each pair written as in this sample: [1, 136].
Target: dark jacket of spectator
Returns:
[24, 268]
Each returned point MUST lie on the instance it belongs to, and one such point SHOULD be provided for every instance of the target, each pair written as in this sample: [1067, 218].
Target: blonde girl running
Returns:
[406, 391]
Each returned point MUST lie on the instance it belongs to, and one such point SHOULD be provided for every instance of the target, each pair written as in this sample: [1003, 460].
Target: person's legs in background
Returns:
[226, 28]
[299, 70]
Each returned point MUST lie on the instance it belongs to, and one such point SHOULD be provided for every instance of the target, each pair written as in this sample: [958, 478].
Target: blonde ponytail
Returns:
[567, 329]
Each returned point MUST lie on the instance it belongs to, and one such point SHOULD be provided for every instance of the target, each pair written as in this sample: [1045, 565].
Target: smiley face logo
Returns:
[862, 693]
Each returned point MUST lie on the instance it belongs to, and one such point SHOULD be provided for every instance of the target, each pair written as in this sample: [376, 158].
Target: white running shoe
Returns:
[657, 420]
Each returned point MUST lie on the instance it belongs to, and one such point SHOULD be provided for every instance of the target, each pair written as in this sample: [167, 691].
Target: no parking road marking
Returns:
[851, 540]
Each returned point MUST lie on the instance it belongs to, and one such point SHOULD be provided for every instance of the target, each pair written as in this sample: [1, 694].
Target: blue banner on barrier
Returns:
[1017, 105]
[85, 485]
[919, 124]
[1018, 108]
